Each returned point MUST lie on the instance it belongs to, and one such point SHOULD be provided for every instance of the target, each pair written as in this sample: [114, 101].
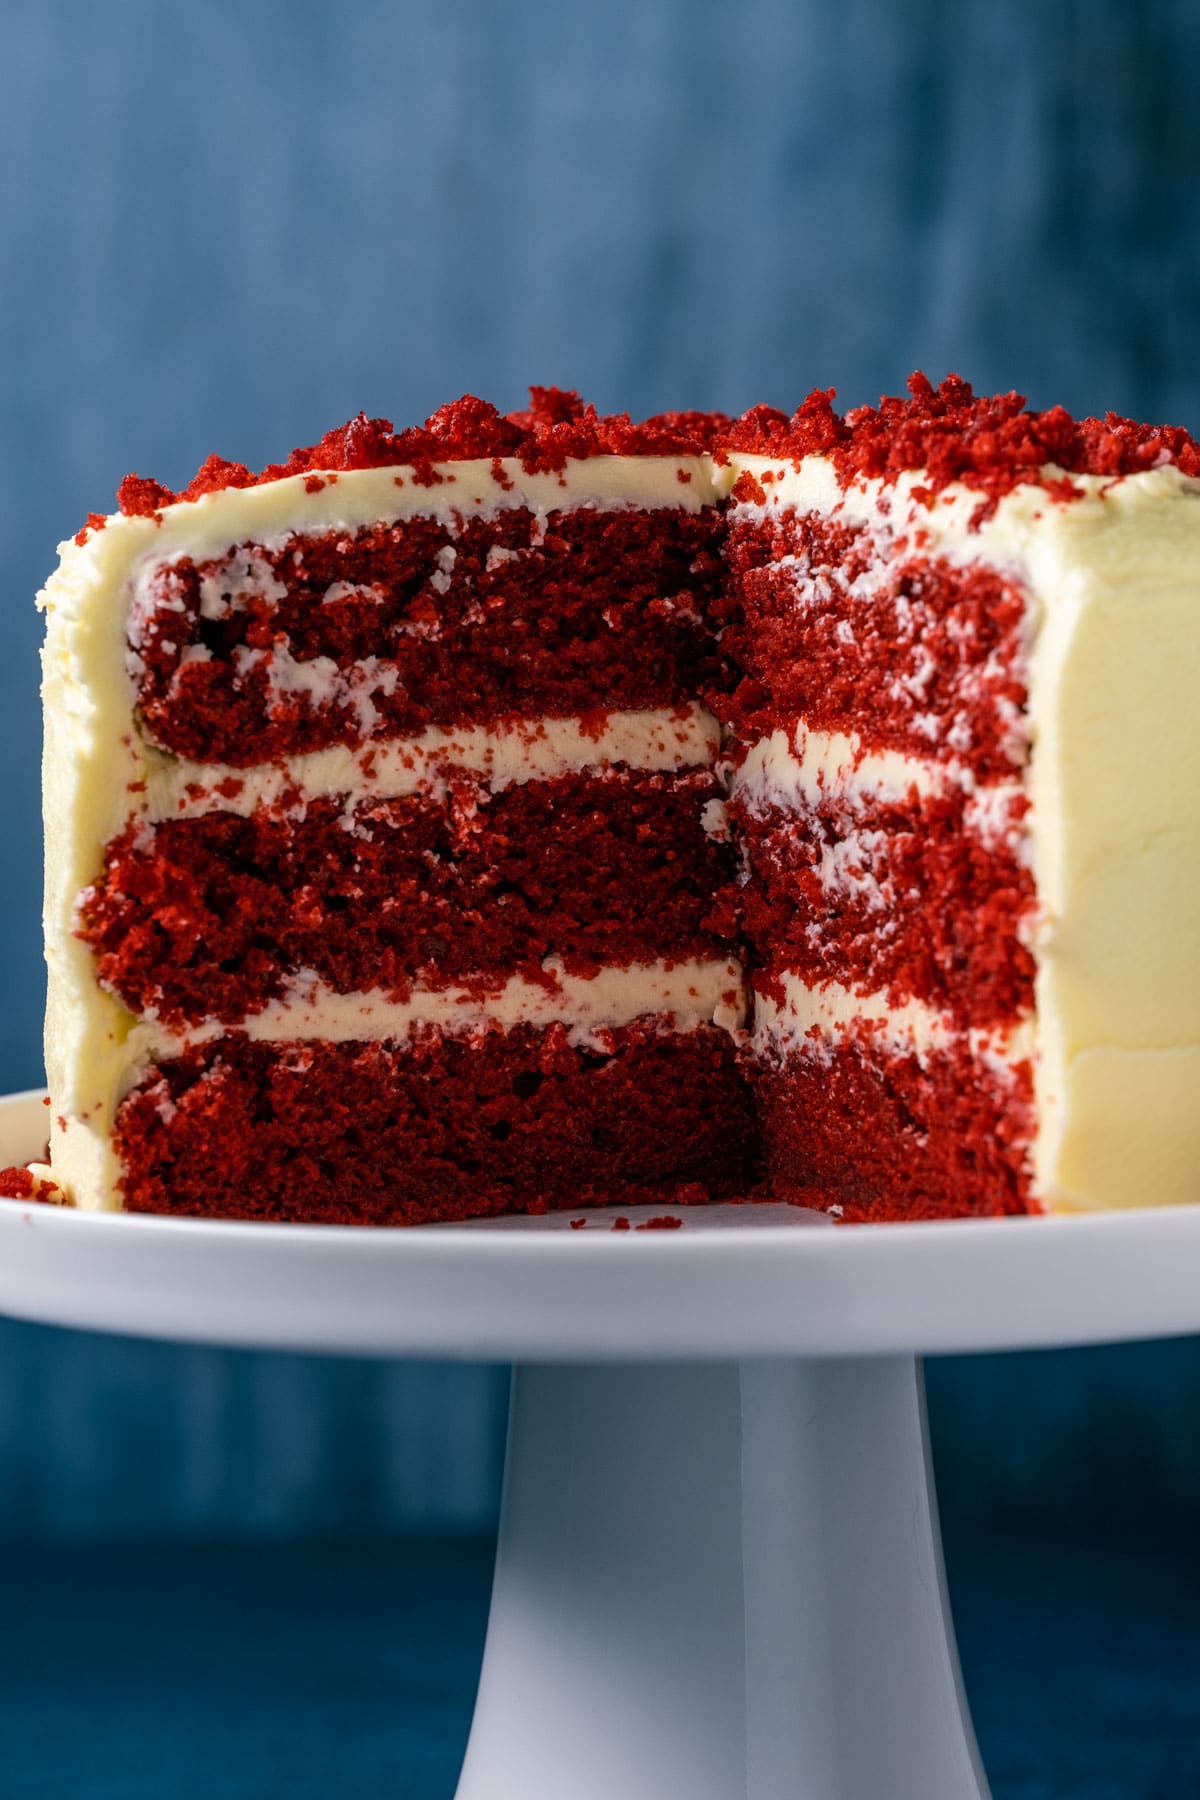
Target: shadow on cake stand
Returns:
[719, 1572]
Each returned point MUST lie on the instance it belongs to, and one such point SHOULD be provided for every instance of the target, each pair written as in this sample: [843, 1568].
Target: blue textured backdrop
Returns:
[231, 226]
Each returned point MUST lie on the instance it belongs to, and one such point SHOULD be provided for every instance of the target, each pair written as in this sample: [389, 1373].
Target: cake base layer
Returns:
[441, 1128]
[880, 1133]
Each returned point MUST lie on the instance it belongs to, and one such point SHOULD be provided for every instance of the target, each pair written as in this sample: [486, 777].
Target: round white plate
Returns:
[731, 1282]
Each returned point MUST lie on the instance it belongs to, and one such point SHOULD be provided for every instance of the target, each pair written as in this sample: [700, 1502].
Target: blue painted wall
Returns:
[229, 227]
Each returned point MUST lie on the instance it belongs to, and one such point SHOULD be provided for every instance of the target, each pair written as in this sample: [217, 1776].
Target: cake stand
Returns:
[719, 1574]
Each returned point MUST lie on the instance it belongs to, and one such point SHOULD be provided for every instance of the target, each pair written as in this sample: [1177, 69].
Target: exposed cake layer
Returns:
[853, 623]
[442, 1128]
[209, 915]
[285, 648]
[889, 1112]
[872, 1131]
[886, 873]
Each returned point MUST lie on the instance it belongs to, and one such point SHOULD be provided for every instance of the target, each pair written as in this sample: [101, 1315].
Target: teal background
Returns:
[231, 226]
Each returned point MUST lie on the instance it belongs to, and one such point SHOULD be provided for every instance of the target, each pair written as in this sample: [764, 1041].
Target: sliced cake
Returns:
[540, 811]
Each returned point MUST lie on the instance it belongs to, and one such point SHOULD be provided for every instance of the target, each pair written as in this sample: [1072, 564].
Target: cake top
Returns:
[555, 427]
[990, 442]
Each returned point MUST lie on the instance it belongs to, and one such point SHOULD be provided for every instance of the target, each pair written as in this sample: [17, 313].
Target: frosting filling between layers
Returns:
[784, 769]
[682, 995]
[506, 753]
[806, 1020]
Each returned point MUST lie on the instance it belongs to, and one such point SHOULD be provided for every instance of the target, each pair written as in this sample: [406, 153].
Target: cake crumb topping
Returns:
[555, 427]
[990, 442]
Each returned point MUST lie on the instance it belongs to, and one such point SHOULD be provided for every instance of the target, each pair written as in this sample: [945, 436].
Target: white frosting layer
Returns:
[666, 740]
[810, 1020]
[685, 995]
[810, 765]
[1114, 834]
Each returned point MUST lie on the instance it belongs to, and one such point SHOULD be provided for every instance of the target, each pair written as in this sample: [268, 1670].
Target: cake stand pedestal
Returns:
[719, 1574]
[720, 1580]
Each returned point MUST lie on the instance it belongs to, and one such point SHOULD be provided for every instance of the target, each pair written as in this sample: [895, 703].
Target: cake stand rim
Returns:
[714, 1289]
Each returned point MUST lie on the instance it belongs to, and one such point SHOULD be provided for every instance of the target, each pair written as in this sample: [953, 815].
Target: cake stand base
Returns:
[720, 1582]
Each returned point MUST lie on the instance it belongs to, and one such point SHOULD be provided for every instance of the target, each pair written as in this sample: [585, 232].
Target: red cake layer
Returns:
[207, 916]
[991, 442]
[929, 664]
[598, 610]
[870, 1130]
[439, 1129]
[925, 908]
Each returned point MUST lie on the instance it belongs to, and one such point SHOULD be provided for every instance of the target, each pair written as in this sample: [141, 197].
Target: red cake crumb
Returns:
[556, 427]
[661, 1222]
[991, 442]
[95, 522]
[375, 1133]
[17, 1183]
[621, 1223]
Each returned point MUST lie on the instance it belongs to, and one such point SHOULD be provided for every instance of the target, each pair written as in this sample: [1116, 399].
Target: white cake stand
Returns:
[719, 1574]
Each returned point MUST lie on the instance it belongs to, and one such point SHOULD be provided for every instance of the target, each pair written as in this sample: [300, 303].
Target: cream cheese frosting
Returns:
[811, 1016]
[507, 754]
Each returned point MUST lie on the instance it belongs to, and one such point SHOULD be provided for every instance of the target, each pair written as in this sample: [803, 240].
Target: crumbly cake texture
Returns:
[545, 810]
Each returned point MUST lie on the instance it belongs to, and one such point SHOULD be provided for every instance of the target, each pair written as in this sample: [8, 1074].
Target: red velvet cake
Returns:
[544, 811]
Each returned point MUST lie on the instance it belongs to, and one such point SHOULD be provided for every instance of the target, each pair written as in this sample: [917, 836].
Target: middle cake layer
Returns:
[210, 916]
